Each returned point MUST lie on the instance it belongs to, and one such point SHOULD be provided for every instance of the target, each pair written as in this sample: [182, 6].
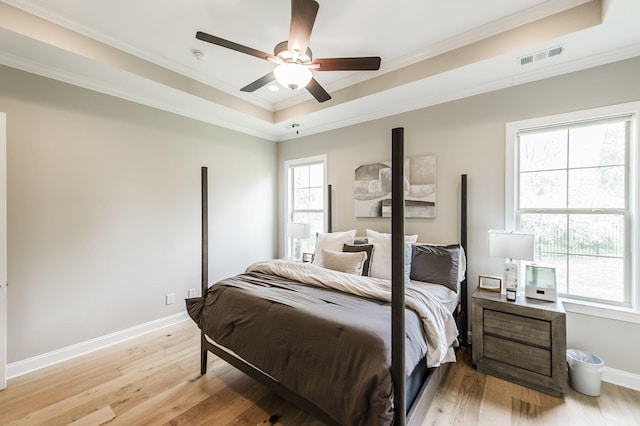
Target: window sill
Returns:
[602, 311]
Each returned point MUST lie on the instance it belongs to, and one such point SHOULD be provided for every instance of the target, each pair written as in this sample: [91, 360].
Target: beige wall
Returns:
[103, 198]
[468, 136]
[104, 210]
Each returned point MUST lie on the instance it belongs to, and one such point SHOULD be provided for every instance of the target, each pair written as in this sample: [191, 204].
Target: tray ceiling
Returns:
[432, 51]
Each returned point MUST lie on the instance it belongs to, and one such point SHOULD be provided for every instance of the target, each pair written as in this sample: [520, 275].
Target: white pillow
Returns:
[380, 263]
[349, 262]
[332, 241]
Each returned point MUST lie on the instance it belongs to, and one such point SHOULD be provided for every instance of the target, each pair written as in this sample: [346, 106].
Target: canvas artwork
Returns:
[372, 190]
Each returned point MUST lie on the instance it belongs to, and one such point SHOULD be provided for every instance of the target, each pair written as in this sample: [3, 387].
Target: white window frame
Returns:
[631, 314]
[287, 195]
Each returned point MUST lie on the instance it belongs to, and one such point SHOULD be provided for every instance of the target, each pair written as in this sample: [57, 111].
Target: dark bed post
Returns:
[205, 260]
[463, 241]
[329, 210]
[397, 277]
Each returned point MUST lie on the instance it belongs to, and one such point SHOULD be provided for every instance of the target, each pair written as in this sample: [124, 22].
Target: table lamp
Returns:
[513, 246]
[298, 231]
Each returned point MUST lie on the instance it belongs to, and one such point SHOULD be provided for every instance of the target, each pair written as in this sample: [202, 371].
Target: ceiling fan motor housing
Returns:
[281, 51]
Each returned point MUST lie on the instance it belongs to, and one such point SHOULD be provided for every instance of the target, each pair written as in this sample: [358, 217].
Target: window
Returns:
[305, 200]
[572, 181]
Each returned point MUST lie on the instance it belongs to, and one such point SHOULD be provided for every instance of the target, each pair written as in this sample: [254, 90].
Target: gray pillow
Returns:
[368, 248]
[436, 264]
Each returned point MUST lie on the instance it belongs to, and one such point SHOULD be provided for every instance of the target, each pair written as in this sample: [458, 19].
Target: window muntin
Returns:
[572, 191]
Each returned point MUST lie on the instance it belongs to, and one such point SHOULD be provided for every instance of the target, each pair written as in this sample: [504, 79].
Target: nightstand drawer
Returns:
[515, 327]
[517, 354]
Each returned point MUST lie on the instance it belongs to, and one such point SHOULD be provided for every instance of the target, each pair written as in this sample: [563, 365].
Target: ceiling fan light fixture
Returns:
[292, 75]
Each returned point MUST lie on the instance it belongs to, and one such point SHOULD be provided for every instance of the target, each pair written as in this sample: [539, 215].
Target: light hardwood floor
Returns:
[155, 380]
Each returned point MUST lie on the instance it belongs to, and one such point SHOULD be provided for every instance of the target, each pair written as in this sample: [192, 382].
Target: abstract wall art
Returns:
[372, 188]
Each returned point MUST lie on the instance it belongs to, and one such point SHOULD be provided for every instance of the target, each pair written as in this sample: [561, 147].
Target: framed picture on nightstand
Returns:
[490, 283]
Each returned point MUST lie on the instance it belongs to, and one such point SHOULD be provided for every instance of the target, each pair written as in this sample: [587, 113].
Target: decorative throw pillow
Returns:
[367, 248]
[332, 241]
[436, 264]
[351, 263]
[380, 266]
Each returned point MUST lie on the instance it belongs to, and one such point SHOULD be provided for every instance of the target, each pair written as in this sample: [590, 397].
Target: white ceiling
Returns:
[432, 51]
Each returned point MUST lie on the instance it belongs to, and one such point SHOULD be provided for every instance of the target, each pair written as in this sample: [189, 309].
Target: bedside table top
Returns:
[521, 300]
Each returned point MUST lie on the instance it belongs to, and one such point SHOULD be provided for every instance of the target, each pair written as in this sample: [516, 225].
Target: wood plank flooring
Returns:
[155, 380]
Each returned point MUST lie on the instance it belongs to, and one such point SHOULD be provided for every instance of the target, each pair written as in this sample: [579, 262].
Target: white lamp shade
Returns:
[298, 230]
[293, 76]
[511, 244]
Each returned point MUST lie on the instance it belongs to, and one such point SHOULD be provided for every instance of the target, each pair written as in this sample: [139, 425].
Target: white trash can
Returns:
[585, 372]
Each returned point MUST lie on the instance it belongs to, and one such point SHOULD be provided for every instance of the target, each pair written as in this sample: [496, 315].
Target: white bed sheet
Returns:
[444, 295]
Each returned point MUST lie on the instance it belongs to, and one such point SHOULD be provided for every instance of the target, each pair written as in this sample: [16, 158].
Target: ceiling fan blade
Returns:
[366, 63]
[265, 79]
[235, 46]
[318, 91]
[303, 16]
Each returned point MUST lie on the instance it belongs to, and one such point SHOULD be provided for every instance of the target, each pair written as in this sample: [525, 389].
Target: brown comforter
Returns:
[330, 347]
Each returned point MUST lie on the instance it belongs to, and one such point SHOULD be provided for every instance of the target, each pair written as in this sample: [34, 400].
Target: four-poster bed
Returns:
[332, 321]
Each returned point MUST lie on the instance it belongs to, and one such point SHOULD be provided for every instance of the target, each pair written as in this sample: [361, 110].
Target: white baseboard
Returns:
[621, 378]
[28, 365]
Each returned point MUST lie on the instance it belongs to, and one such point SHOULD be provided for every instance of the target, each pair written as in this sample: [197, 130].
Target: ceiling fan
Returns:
[293, 56]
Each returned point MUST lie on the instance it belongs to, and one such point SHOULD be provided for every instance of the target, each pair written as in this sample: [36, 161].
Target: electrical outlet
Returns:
[191, 292]
[169, 299]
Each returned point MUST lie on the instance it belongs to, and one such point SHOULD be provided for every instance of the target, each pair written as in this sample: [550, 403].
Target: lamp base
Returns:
[511, 280]
[297, 251]
[510, 274]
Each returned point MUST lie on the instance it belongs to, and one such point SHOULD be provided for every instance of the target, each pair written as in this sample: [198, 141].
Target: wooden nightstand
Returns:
[522, 341]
